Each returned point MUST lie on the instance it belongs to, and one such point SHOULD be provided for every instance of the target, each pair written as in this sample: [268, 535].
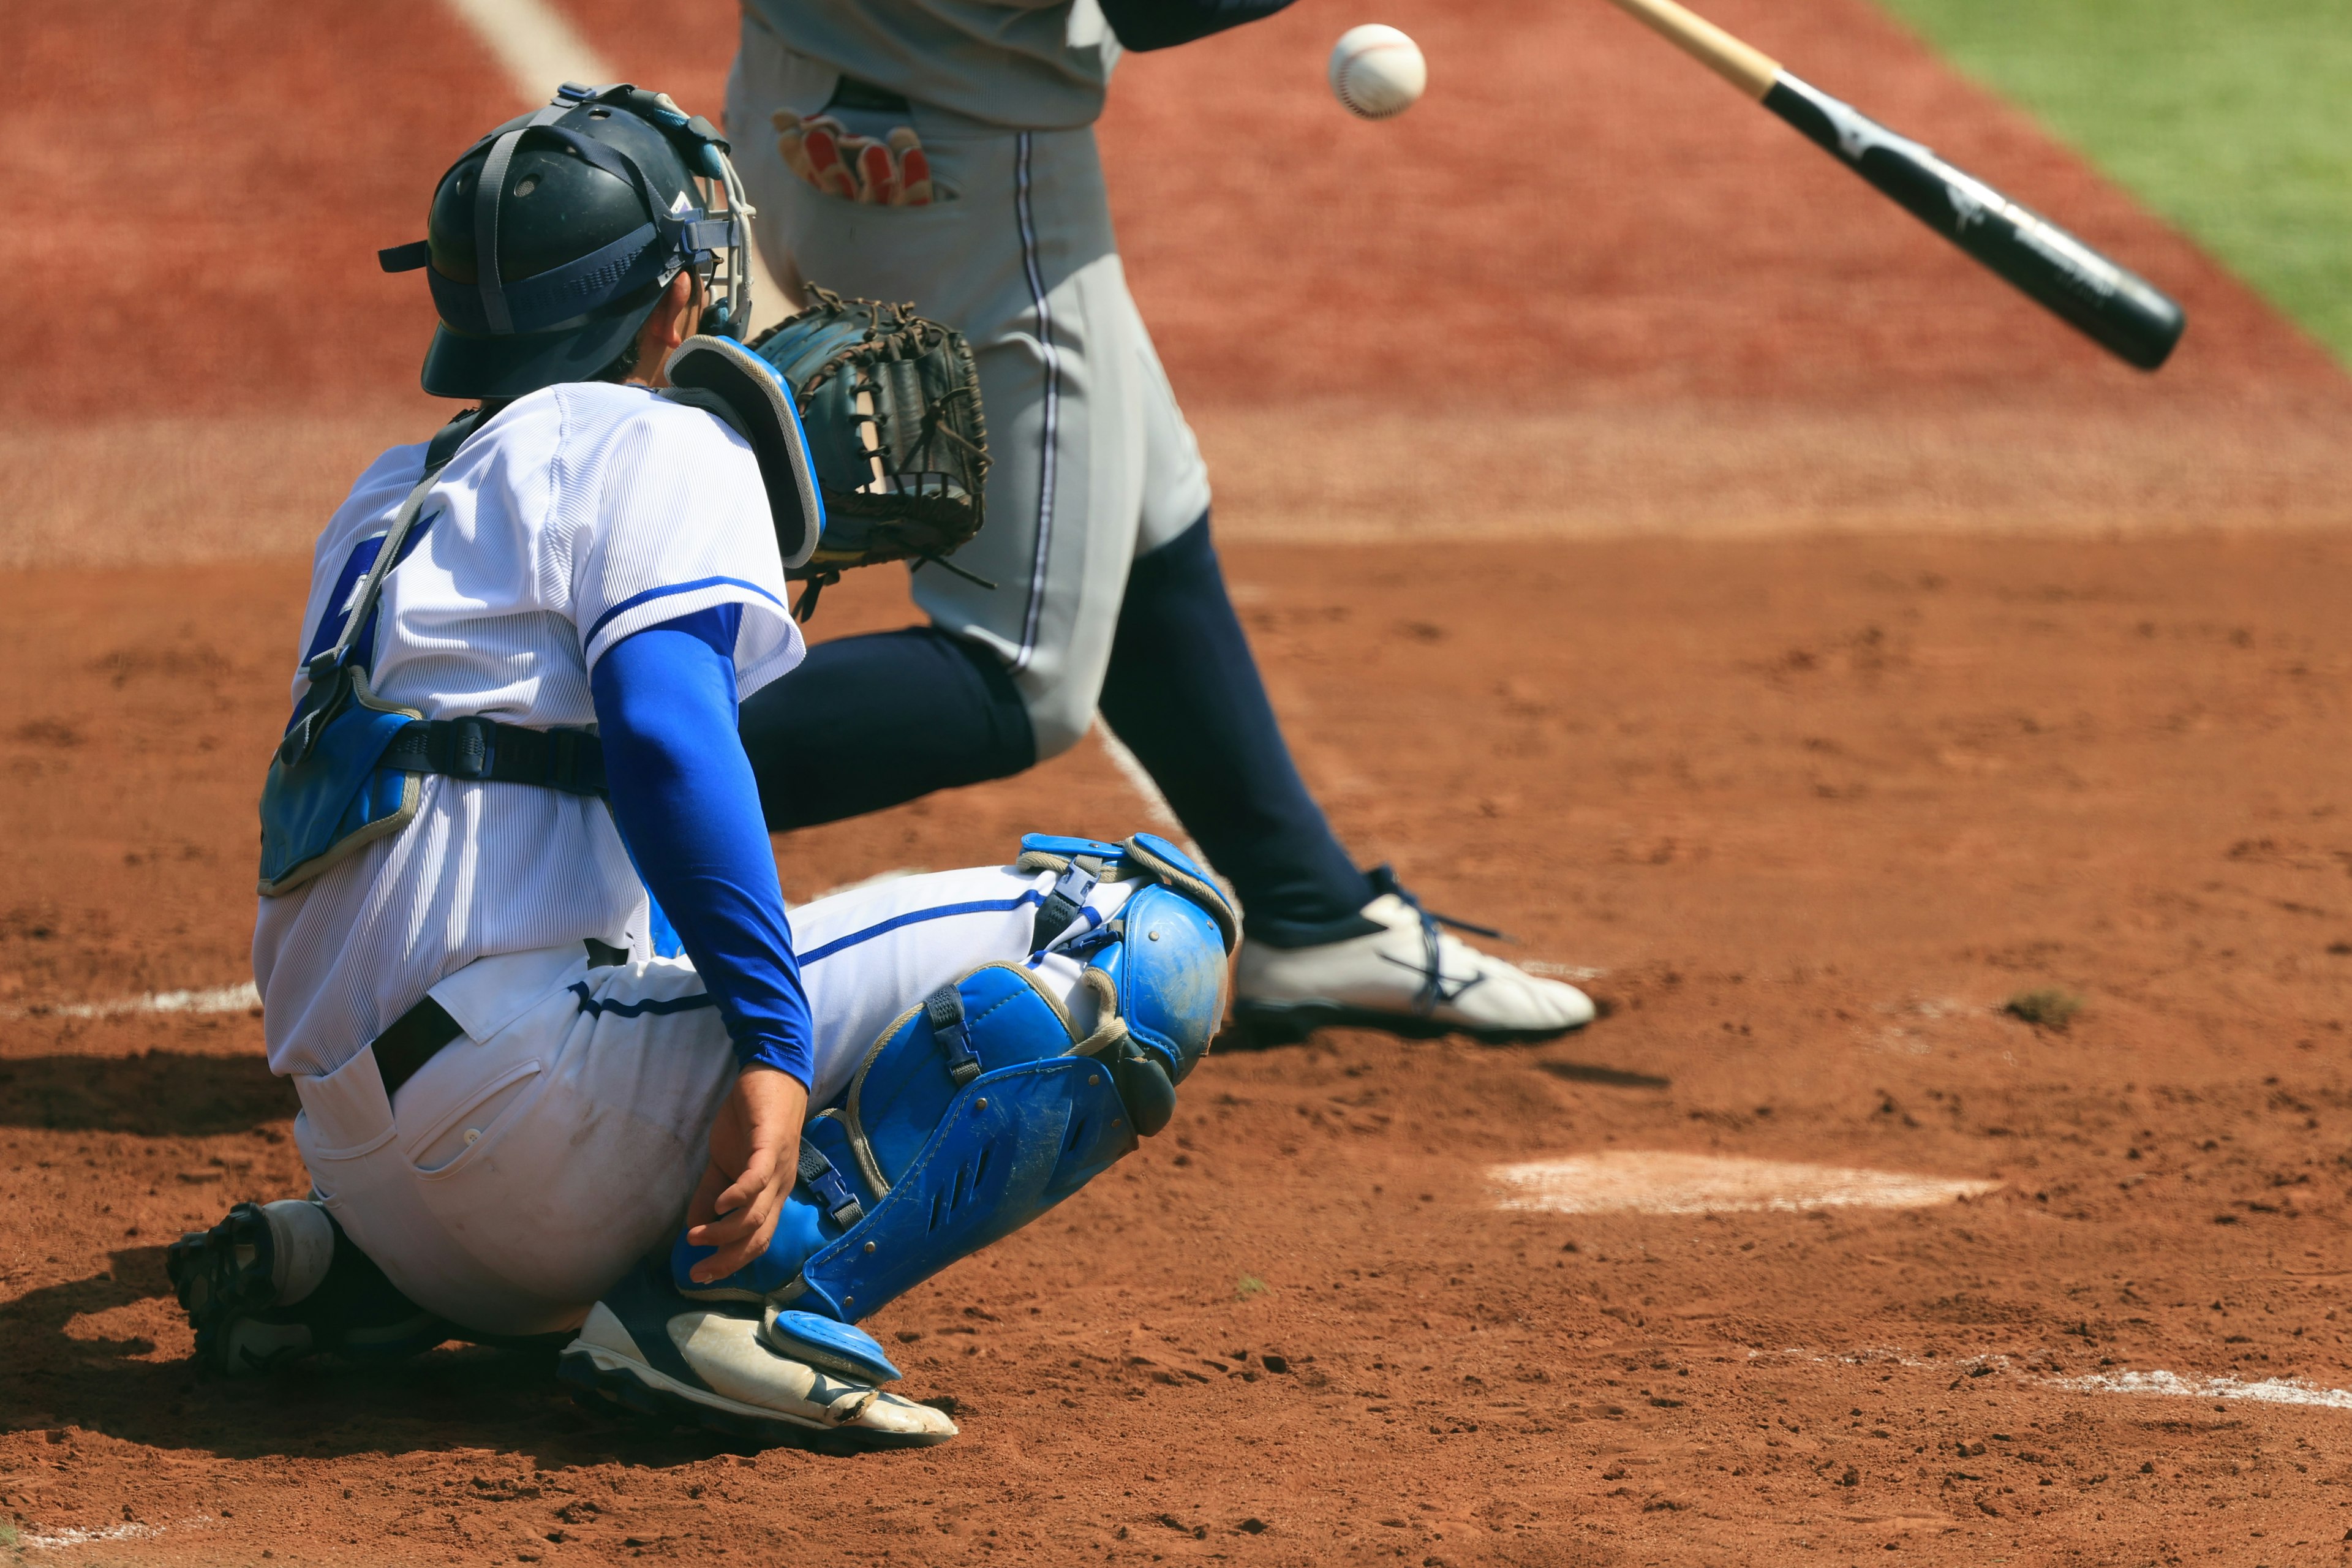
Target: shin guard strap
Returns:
[840, 1201]
[1062, 905]
[945, 1009]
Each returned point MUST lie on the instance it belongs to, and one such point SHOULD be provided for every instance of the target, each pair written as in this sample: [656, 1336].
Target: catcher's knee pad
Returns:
[983, 1107]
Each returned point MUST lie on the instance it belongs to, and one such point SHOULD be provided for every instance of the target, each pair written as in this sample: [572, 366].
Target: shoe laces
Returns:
[1432, 969]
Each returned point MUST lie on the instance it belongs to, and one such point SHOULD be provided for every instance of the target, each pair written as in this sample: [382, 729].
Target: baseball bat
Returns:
[2115, 309]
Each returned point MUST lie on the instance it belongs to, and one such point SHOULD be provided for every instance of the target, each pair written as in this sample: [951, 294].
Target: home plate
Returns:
[1645, 1183]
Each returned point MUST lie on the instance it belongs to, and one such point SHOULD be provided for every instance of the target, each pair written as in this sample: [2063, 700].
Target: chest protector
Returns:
[350, 768]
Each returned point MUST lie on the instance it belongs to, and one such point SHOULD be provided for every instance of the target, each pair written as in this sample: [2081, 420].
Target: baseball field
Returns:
[1925, 734]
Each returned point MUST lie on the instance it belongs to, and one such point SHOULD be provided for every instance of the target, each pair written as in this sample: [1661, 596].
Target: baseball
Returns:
[1376, 71]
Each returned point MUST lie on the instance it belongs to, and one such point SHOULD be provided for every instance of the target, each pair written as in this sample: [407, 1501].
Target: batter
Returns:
[943, 151]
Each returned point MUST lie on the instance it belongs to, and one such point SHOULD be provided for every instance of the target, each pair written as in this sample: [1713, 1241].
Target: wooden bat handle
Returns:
[1751, 70]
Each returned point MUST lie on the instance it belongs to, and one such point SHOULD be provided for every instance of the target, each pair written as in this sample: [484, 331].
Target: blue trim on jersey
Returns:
[339, 604]
[633, 600]
[655, 1005]
[347, 583]
[912, 917]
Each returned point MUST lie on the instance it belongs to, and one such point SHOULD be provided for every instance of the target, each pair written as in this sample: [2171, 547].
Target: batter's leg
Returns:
[1017, 254]
[866, 722]
[1185, 695]
[1328, 945]
[1094, 468]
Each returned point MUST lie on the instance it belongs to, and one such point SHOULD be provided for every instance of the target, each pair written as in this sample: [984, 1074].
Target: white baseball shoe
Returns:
[1407, 977]
[749, 1375]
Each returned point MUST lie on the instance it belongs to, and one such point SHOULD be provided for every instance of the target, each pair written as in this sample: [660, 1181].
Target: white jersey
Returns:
[579, 515]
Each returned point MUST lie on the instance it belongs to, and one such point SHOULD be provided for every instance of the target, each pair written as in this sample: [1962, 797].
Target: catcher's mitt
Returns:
[890, 403]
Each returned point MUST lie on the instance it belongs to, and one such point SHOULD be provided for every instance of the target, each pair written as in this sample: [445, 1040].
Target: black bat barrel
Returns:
[2121, 312]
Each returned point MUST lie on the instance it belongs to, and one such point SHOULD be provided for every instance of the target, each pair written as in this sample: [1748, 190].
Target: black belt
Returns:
[477, 748]
[851, 93]
[419, 1034]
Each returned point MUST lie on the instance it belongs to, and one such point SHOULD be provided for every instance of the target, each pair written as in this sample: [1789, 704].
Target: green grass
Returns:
[2232, 118]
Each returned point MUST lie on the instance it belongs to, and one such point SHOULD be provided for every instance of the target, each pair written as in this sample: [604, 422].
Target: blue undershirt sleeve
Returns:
[1144, 24]
[689, 810]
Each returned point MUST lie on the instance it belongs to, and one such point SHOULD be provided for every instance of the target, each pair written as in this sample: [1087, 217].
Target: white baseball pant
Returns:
[532, 1159]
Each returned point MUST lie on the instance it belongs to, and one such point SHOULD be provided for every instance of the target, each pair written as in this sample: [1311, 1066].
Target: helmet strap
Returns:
[492, 186]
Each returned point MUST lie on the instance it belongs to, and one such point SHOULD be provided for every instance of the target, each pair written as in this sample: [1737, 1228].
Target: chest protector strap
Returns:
[350, 769]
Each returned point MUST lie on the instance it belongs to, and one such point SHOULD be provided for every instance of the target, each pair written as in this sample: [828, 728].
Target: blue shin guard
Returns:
[982, 1108]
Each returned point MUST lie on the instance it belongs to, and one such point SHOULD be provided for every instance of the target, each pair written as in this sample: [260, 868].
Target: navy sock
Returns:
[356, 1311]
[1185, 695]
[870, 721]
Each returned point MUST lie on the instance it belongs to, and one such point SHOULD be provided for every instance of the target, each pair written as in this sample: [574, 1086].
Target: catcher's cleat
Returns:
[228, 1279]
[1405, 976]
[272, 1283]
[748, 1373]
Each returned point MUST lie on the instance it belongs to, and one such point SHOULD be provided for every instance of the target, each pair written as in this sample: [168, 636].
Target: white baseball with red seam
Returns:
[1376, 71]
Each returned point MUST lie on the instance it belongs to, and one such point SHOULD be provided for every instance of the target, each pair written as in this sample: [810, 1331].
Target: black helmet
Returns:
[595, 203]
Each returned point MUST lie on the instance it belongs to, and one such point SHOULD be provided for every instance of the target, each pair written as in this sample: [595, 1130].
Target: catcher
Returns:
[516, 713]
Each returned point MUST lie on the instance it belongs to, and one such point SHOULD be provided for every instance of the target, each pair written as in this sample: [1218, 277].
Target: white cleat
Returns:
[651, 1349]
[1408, 978]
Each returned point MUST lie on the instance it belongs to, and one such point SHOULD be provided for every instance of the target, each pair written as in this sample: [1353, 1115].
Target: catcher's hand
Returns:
[755, 1146]
[889, 173]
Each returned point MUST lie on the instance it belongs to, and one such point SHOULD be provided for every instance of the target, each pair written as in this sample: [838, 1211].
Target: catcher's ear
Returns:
[765, 414]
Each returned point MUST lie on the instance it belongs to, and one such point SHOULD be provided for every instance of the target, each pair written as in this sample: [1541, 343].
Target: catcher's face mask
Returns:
[552, 239]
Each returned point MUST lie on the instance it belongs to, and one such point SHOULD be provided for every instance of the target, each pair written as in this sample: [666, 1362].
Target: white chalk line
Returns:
[239, 998]
[1652, 1182]
[535, 43]
[33, 1540]
[2158, 1383]
[1633, 1180]
[54, 1539]
[2268, 1391]
[1575, 973]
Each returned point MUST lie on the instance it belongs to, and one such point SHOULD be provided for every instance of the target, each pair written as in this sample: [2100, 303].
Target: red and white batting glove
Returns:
[913, 168]
[893, 172]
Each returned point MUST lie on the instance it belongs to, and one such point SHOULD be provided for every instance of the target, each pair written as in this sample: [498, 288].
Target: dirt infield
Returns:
[1815, 810]
[1583, 289]
[1737, 595]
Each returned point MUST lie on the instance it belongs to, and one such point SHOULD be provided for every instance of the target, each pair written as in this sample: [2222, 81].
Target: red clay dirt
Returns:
[1583, 288]
[1814, 806]
[1816, 809]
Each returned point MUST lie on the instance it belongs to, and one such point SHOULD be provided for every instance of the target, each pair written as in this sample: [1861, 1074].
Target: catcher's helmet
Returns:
[594, 205]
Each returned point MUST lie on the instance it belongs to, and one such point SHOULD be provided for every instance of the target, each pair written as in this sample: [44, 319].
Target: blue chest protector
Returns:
[350, 770]
[983, 1107]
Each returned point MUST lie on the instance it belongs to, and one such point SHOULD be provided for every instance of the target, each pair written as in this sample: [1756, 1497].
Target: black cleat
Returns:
[227, 1278]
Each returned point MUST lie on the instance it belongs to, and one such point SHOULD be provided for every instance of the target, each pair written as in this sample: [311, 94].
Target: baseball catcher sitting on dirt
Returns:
[516, 716]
